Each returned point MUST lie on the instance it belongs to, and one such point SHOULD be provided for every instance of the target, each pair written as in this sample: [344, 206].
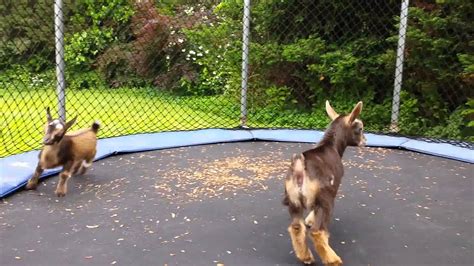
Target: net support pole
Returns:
[397, 84]
[60, 65]
[245, 63]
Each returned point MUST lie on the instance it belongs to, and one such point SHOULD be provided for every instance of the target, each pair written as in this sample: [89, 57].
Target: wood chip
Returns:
[92, 226]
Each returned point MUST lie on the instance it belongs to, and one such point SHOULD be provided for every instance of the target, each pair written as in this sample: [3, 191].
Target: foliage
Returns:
[216, 55]
[115, 67]
[98, 23]
[468, 117]
[302, 52]
[25, 34]
[439, 45]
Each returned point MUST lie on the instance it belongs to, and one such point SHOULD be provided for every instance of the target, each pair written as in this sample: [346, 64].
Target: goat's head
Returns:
[352, 126]
[55, 129]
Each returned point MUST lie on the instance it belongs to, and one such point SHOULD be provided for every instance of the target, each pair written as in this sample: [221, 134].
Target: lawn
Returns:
[120, 111]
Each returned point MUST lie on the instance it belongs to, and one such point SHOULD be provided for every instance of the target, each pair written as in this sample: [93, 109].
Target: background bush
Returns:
[302, 53]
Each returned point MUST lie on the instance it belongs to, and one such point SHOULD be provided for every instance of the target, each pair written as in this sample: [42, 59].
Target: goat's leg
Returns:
[297, 232]
[309, 220]
[84, 166]
[75, 169]
[64, 176]
[33, 181]
[320, 236]
[324, 250]
[87, 163]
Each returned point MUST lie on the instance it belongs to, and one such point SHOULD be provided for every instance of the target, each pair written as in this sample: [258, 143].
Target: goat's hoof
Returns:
[309, 221]
[308, 260]
[60, 193]
[336, 261]
[31, 185]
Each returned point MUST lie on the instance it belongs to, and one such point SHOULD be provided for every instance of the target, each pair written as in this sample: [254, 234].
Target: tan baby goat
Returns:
[74, 151]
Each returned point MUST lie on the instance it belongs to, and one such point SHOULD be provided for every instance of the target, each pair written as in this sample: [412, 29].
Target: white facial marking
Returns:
[54, 122]
[57, 124]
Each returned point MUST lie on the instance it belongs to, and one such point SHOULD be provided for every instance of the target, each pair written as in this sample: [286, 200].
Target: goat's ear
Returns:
[48, 115]
[330, 111]
[70, 123]
[355, 112]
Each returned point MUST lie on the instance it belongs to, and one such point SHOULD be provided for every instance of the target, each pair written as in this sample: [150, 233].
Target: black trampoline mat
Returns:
[210, 204]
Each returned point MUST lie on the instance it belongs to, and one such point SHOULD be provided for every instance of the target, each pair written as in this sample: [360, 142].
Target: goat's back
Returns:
[324, 164]
[83, 143]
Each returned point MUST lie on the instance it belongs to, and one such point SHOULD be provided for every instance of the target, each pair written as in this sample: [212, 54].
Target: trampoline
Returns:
[221, 203]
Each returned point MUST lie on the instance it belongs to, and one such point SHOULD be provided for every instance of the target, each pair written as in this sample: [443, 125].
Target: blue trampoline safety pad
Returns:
[15, 170]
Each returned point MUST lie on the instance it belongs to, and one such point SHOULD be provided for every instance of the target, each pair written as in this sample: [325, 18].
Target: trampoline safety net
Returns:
[142, 66]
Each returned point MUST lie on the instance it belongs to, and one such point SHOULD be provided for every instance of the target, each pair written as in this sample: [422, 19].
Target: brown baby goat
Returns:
[74, 151]
[312, 183]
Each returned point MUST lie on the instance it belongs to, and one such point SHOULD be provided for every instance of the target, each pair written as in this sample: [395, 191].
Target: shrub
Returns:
[115, 67]
[96, 25]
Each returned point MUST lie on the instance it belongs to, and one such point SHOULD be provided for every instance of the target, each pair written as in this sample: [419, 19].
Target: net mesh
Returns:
[149, 66]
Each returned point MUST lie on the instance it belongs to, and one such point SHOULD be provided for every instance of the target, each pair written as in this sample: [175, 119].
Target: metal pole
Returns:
[399, 67]
[59, 42]
[245, 63]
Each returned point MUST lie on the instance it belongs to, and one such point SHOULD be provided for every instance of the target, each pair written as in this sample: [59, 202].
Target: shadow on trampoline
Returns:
[221, 203]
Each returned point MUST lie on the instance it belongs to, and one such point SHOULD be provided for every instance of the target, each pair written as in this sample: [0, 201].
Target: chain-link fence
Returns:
[148, 66]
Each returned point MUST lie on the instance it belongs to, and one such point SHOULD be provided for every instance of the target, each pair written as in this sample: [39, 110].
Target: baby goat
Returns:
[73, 151]
[312, 183]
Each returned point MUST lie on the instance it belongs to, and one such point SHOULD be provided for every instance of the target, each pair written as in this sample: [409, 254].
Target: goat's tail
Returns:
[298, 167]
[95, 127]
[294, 181]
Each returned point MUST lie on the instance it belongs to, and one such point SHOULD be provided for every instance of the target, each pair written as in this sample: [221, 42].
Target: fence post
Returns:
[245, 63]
[399, 66]
[59, 45]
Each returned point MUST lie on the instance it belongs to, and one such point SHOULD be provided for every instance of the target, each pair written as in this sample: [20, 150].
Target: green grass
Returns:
[120, 111]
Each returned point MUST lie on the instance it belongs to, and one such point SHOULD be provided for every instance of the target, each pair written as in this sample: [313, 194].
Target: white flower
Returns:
[189, 10]
[207, 51]
[183, 50]
[180, 40]
[200, 47]
[194, 58]
[199, 54]
[167, 57]
[192, 52]
[172, 32]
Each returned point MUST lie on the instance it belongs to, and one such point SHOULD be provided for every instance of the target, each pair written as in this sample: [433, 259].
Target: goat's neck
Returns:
[337, 142]
[340, 146]
[53, 148]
